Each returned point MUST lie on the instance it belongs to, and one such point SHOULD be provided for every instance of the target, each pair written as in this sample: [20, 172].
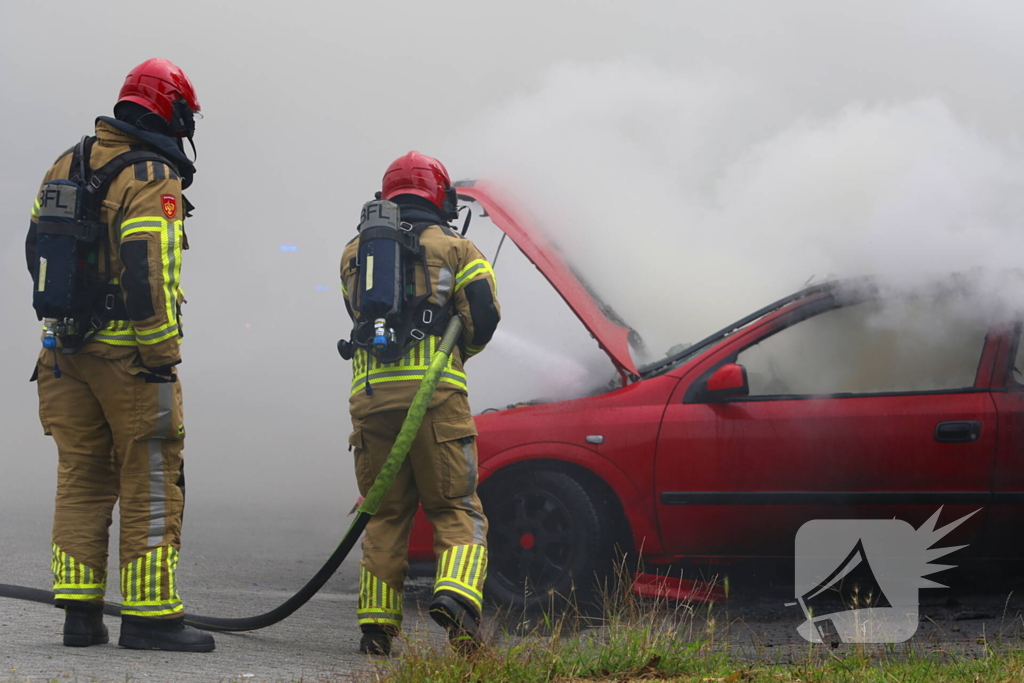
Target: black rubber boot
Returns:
[461, 623]
[138, 633]
[83, 625]
[376, 640]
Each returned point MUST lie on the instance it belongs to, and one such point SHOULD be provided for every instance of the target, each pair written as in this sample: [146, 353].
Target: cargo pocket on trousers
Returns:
[43, 421]
[355, 444]
[158, 411]
[457, 449]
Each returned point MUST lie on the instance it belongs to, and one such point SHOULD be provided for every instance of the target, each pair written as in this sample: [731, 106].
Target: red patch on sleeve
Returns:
[170, 204]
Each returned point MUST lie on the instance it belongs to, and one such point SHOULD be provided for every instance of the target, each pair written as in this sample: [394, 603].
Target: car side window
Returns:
[909, 345]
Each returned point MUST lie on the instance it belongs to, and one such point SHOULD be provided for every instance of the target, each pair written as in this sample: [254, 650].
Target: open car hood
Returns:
[611, 333]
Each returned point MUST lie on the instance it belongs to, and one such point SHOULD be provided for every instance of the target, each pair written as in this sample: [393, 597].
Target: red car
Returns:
[835, 402]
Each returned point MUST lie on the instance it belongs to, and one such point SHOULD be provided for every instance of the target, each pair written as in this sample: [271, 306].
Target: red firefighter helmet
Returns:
[417, 174]
[157, 84]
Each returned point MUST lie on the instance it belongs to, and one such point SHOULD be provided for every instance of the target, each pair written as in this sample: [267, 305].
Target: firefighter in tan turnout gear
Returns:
[441, 469]
[104, 249]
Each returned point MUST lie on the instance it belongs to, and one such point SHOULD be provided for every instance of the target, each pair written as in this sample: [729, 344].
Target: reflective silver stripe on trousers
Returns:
[157, 483]
[457, 562]
[80, 591]
[152, 608]
[456, 585]
[154, 562]
[474, 514]
[389, 616]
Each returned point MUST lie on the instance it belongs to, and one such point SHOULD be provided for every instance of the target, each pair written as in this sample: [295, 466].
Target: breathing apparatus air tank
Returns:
[381, 269]
[64, 249]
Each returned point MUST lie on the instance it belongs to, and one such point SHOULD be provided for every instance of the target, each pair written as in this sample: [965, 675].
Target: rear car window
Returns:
[870, 347]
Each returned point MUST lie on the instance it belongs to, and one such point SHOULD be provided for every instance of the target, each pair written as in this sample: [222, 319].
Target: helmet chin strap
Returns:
[181, 146]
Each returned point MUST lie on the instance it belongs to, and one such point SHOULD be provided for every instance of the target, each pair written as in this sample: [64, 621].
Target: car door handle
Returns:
[963, 431]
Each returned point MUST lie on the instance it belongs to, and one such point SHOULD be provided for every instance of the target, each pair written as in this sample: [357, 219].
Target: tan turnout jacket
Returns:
[454, 263]
[144, 213]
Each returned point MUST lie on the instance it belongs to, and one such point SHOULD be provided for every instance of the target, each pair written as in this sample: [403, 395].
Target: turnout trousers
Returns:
[441, 473]
[118, 438]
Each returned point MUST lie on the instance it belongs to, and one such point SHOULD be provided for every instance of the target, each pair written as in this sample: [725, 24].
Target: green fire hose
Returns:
[371, 503]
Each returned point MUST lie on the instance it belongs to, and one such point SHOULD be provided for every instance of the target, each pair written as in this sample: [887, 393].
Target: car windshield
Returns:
[691, 351]
[683, 355]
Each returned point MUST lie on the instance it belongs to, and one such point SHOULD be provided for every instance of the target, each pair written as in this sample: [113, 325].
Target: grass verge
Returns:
[643, 640]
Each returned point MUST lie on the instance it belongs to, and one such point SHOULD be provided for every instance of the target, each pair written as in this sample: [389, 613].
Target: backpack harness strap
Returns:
[421, 318]
[108, 302]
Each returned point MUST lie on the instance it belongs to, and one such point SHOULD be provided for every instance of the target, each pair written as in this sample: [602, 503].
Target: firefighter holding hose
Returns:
[404, 277]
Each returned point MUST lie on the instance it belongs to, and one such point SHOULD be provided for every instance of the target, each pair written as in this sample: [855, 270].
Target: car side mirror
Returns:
[728, 380]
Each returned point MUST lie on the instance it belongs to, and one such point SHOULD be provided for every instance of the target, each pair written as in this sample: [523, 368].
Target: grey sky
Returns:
[306, 103]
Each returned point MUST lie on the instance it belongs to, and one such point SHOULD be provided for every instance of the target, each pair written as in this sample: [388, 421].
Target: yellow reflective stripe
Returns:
[157, 334]
[453, 378]
[35, 209]
[170, 269]
[152, 610]
[473, 350]
[115, 337]
[73, 580]
[413, 366]
[380, 618]
[416, 358]
[62, 593]
[462, 570]
[344, 289]
[470, 566]
[378, 603]
[172, 569]
[418, 371]
[170, 259]
[472, 270]
[148, 584]
[117, 332]
[475, 597]
[142, 224]
[119, 326]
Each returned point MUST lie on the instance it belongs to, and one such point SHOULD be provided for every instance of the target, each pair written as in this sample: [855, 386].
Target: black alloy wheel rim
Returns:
[532, 542]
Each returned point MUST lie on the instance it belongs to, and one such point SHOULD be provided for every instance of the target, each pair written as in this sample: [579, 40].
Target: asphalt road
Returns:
[228, 568]
[240, 562]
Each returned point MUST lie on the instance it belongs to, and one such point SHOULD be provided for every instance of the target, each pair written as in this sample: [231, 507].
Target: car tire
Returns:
[549, 540]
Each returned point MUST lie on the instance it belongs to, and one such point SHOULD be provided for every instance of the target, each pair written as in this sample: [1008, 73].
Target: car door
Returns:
[856, 409]
[1007, 513]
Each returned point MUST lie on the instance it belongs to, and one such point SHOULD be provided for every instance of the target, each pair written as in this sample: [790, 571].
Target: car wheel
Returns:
[549, 540]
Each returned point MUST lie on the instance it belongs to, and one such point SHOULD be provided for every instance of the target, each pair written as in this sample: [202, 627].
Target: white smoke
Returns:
[689, 198]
